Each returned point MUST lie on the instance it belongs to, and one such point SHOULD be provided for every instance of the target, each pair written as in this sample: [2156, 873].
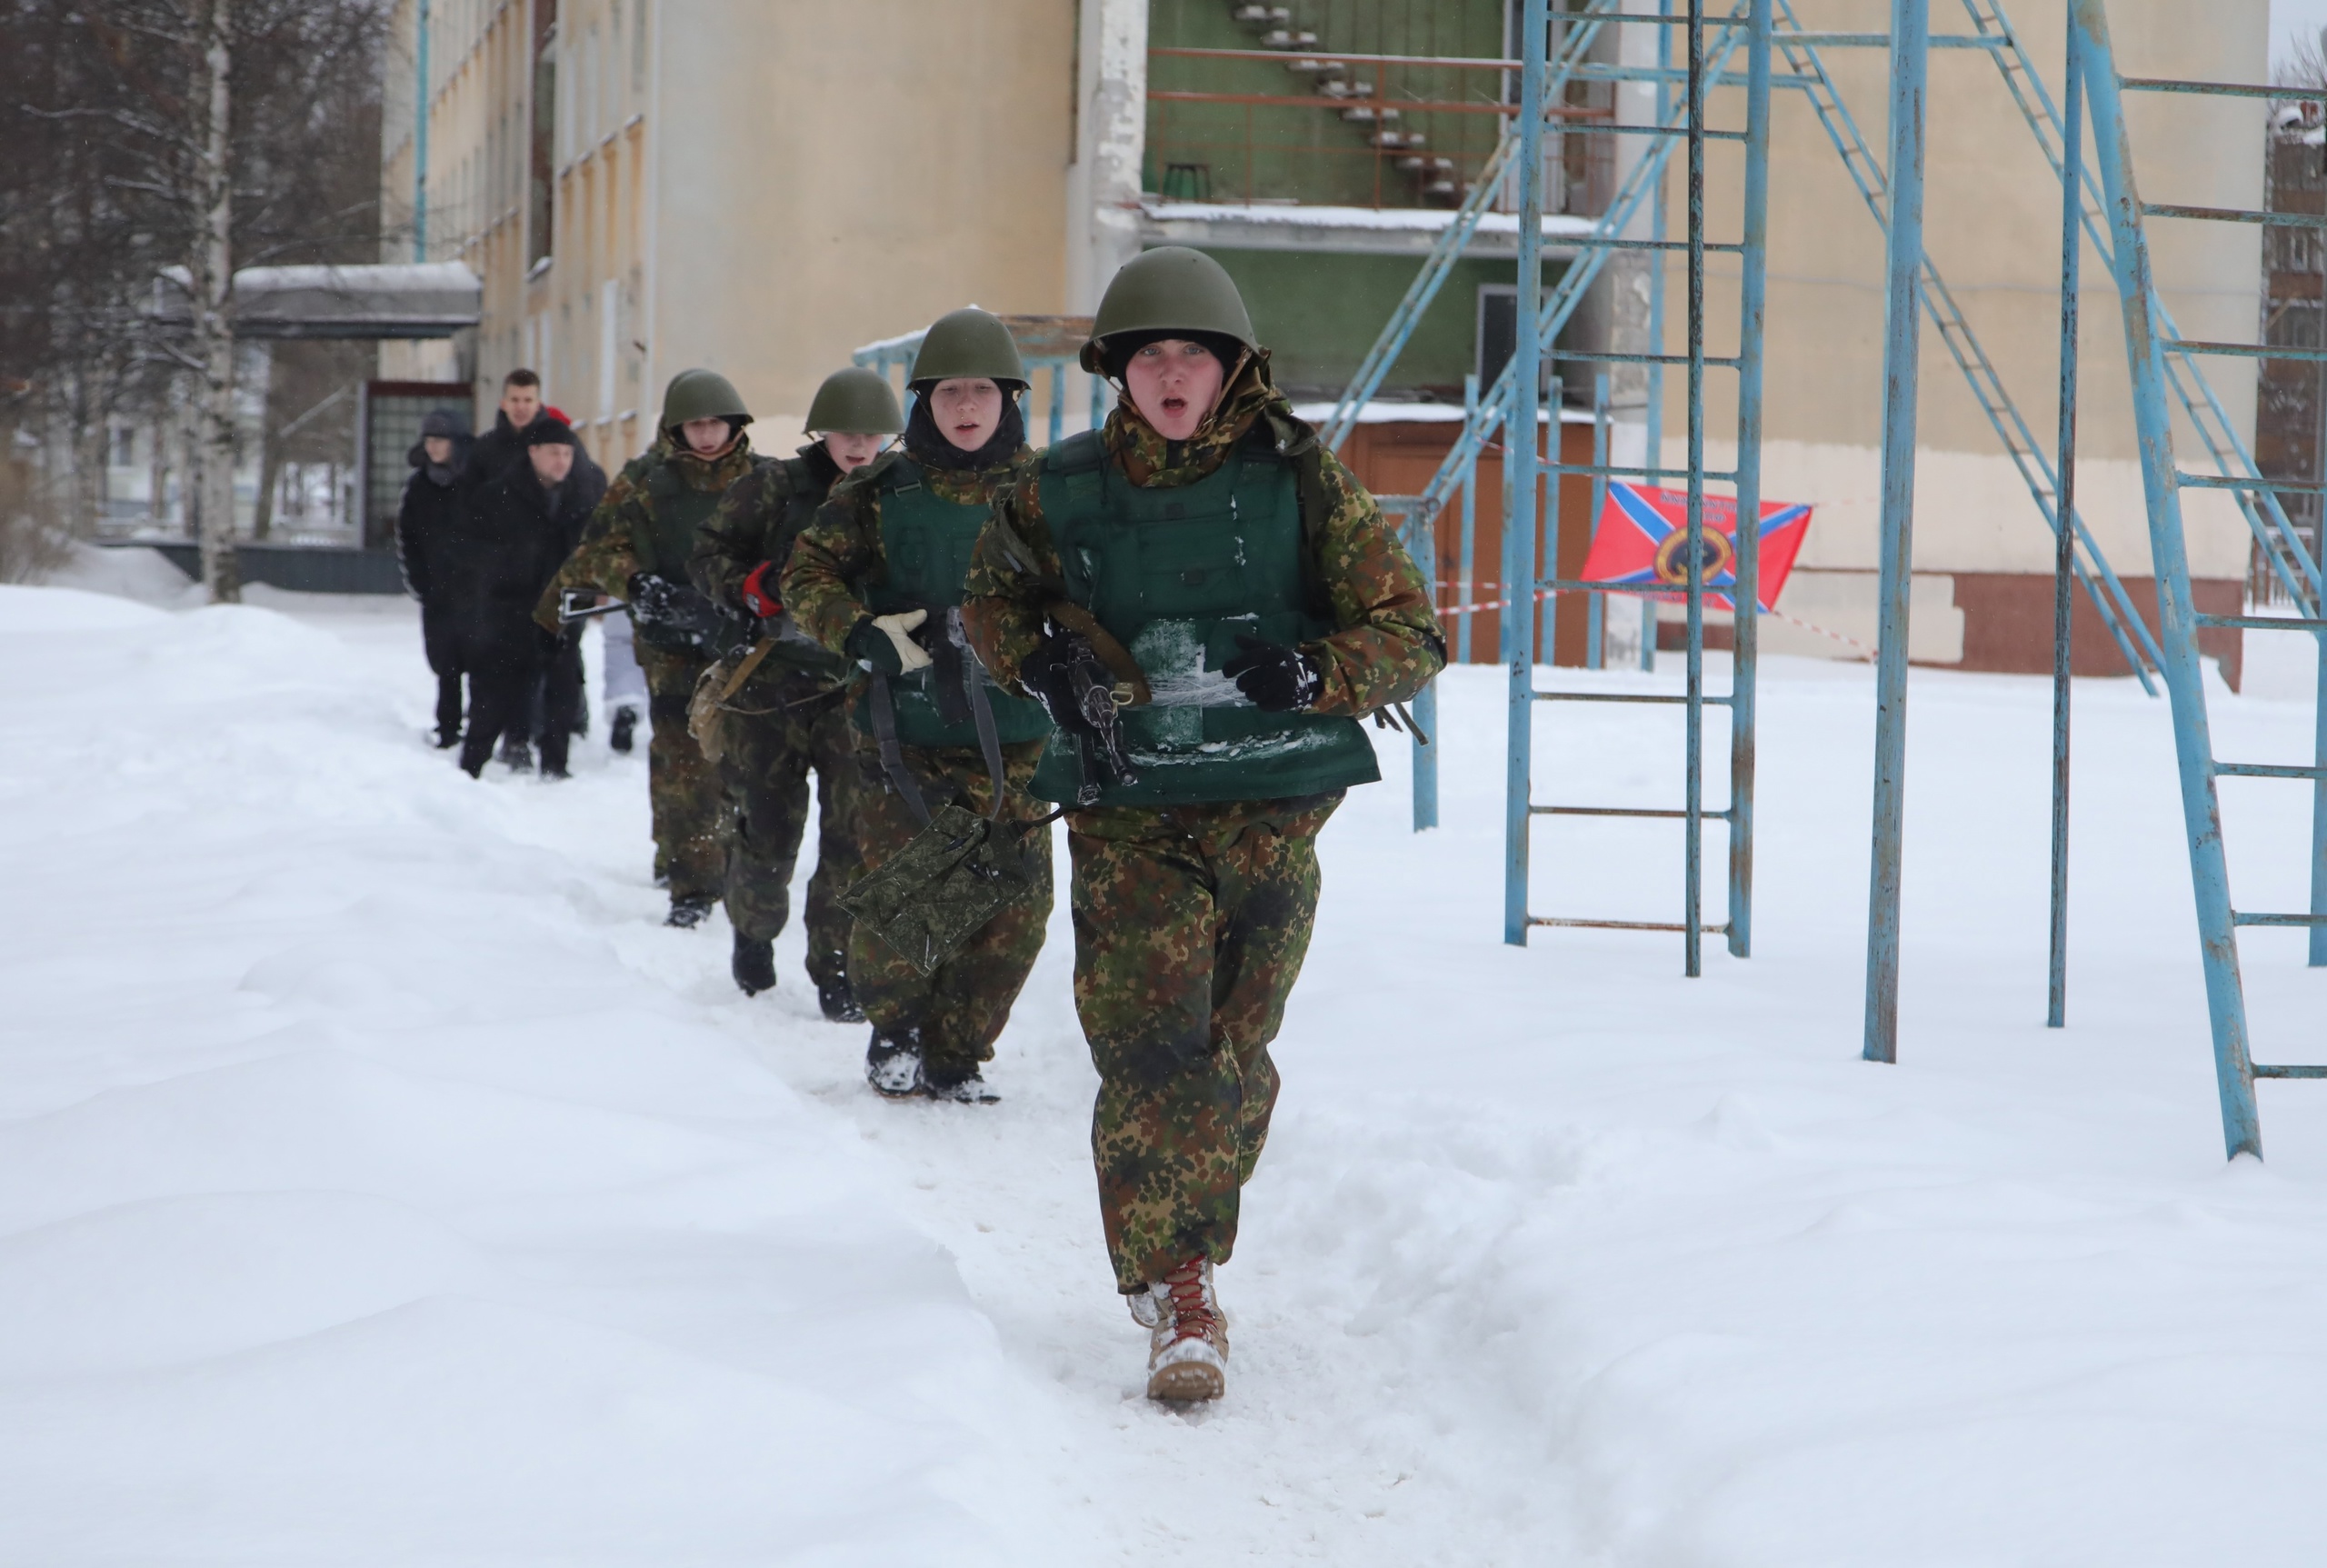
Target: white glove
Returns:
[897, 627]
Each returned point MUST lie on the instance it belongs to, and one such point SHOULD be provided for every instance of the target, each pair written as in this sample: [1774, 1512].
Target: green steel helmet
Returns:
[855, 402]
[702, 395]
[969, 341]
[1170, 288]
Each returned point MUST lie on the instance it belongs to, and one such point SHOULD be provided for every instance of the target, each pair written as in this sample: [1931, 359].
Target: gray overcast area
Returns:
[2292, 19]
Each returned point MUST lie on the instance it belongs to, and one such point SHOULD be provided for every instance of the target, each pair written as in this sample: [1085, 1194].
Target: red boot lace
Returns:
[1191, 1316]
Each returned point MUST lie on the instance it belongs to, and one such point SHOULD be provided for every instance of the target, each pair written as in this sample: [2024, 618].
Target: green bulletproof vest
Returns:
[1176, 574]
[665, 545]
[927, 540]
[802, 495]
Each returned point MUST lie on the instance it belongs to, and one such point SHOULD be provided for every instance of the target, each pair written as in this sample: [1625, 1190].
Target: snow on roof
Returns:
[411, 299]
[1422, 220]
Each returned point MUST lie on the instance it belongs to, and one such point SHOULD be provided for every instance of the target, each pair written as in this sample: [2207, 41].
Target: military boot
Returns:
[1187, 1344]
[625, 726]
[752, 964]
[689, 910]
[837, 997]
[963, 1086]
[892, 1064]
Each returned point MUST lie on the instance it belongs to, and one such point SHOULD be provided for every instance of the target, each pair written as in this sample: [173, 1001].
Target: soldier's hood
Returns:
[1251, 397]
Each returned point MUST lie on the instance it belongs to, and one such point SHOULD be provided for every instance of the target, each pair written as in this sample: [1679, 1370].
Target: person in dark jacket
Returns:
[499, 449]
[531, 516]
[435, 498]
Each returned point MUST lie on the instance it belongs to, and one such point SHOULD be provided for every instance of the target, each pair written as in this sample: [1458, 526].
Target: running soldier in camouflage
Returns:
[638, 548]
[876, 576]
[789, 716]
[1204, 537]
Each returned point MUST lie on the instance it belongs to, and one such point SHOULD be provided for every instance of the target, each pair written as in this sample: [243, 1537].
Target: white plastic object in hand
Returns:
[897, 627]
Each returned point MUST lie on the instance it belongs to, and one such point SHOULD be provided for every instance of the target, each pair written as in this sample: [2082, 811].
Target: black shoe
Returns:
[689, 912]
[752, 964]
[447, 739]
[518, 755]
[552, 771]
[625, 725]
[968, 1088]
[838, 999]
[892, 1064]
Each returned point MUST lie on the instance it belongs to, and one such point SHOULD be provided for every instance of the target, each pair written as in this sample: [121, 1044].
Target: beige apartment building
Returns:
[763, 186]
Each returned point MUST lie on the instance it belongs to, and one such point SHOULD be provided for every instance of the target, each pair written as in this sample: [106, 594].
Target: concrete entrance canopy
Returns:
[1343, 231]
[411, 300]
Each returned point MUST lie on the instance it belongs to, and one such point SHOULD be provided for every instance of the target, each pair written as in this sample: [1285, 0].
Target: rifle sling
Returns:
[743, 669]
[989, 741]
[1112, 653]
[1065, 611]
[882, 710]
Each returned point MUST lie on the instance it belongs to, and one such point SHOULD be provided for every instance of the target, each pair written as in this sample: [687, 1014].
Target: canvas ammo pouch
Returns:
[941, 889]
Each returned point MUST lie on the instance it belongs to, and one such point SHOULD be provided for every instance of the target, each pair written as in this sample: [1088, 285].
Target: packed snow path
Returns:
[380, 1183]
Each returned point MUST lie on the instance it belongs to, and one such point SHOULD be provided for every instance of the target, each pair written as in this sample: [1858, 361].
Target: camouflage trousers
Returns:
[960, 1009]
[683, 786]
[776, 732]
[1190, 926]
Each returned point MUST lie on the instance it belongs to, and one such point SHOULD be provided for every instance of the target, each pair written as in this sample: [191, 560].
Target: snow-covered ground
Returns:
[380, 1183]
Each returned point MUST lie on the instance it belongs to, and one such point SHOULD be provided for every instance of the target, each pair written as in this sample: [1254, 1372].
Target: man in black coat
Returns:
[435, 501]
[532, 515]
[499, 449]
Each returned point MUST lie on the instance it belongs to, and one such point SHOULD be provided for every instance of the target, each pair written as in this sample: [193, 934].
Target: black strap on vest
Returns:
[882, 710]
[989, 741]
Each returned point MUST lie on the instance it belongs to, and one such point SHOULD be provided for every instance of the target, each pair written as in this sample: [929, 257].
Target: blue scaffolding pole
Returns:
[1910, 56]
[2150, 347]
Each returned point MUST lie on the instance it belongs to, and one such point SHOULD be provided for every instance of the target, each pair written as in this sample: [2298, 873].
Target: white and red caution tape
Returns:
[1543, 594]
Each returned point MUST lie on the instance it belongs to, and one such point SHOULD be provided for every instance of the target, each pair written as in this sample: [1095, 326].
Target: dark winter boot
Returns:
[689, 911]
[448, 712]
[892, 1064]
[752, 964]
[517, 754]
[625, 726]
[1187, 1340]
[962, 1086]
[837, 997]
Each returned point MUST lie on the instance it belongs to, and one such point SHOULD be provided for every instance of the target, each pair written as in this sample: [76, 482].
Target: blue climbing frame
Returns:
[2163, 363]
[1798, 65]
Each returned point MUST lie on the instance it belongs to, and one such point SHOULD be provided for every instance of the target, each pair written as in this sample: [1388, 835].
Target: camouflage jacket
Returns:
[606, 558]
[1389, 643]
[842, 548]
[757, 520]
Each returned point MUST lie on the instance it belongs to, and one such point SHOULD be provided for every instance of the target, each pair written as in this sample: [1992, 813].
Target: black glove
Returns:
[677, 618]
[1045, 675]
[867, 644]
[1276, 680]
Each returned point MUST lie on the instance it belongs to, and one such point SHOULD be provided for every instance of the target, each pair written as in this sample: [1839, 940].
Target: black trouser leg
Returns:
[448, 707]
[497, 702]
[560, 707]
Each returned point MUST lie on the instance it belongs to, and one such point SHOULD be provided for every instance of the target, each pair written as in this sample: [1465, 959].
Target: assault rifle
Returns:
[1097, 703]
[573, 605]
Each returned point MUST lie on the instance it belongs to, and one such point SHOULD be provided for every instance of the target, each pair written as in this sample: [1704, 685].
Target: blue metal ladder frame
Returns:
[2151, 343]
[1519, 388]
[1805, 71]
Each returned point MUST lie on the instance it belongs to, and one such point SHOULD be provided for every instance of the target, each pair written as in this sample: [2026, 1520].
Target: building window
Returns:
[544, 172]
